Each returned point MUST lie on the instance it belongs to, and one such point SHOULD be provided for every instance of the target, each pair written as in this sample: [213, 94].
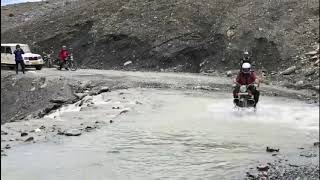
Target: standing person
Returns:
[19, 59]
[63, 55]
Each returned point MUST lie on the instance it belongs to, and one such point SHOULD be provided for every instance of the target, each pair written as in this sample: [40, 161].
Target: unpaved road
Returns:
[162, 80]
[164, 126]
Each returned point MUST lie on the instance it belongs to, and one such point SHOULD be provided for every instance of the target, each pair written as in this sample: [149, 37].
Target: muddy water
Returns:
[172, 135]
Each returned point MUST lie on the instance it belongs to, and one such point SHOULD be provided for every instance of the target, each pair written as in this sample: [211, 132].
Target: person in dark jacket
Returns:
[19, 59]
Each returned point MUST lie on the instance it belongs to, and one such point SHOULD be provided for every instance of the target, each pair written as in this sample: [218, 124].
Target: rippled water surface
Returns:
[173, 135]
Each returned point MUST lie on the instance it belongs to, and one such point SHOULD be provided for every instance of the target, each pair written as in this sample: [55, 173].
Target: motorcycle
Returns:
[48, 59]
[244, 98]
[69, 63]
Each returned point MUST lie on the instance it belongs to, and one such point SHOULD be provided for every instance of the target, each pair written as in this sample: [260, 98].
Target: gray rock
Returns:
[127, 63]
[203, 87]
[124, 111]
[80, 95]
[314, 57]
[229, 73]
[273, 73]
[263, 168]
[73, 132]
[310, 72]
[293, 165]
[7, 146]
[60, 133]
[268, 149]
[289, 71]
[29, 139]
[210, 71]
[58, 100]
[24, 134]
[251, 175]
[311, 53]
[89, 128]
[104, 89]
[137, 102]
[308, 155]
[299, 84]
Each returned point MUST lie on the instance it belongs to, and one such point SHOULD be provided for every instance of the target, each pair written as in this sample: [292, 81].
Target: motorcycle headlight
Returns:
[243, 89]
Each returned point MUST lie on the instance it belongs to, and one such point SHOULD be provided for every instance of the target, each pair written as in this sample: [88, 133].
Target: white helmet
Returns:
[246, 67]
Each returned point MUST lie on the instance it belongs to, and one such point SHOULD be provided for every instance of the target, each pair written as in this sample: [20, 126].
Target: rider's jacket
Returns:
[246, 79]
[63, 54]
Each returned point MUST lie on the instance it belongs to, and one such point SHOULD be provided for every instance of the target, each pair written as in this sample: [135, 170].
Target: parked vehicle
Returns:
[30, 59]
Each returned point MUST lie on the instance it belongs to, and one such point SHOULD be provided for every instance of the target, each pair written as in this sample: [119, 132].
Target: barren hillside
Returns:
[172, 35]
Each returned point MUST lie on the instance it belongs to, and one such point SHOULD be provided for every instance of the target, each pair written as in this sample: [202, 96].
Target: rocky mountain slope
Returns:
[173, 35]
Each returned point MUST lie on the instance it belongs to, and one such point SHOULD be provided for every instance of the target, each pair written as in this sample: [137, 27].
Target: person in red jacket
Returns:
[247, 77]
[63, 55]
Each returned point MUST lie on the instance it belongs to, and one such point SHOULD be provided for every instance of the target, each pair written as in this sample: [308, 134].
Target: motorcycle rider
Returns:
[63, 55]
[246, 59]
[246, 77]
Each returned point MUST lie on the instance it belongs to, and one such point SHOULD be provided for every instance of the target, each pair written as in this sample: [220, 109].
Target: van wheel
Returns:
[38, 67]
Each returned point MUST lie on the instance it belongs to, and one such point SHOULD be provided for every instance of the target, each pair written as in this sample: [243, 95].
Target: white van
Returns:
[30, 59]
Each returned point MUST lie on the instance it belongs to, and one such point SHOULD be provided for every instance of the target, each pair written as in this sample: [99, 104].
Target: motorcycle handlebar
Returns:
[252, 84]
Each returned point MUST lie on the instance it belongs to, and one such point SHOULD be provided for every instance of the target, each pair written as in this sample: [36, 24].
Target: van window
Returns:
[8, 50]
[3, 49]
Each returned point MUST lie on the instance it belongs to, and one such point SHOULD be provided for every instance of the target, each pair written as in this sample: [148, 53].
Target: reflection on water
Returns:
[171, 136]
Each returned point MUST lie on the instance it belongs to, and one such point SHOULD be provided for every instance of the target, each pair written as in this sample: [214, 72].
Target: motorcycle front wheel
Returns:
[49, 63]
[242, 103]
[72, 66]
